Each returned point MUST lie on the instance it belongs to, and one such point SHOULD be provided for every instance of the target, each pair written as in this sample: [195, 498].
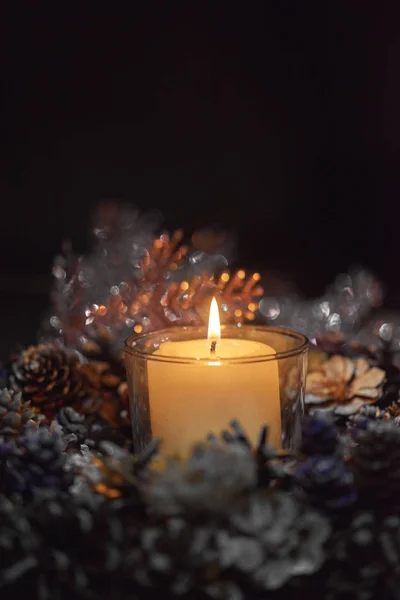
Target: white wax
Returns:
[188, 401]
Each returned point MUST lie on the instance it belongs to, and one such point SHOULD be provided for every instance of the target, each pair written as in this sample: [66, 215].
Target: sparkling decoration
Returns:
[343, 310]
[133, 282]
[344, 385]
[83, 518]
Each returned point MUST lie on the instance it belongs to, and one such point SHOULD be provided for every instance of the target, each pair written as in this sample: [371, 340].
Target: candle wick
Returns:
[213, 347]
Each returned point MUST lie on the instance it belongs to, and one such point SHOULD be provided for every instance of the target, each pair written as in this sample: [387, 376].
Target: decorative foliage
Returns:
[342, 313]
[82, 518]
[37, 460]
[134, 282]
[206, 527]
[344, 385]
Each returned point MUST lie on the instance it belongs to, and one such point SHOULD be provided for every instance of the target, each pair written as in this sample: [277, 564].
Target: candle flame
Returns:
[214, 327]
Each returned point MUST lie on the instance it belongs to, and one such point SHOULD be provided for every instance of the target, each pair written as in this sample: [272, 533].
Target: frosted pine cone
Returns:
[37, 461]
[15, 415]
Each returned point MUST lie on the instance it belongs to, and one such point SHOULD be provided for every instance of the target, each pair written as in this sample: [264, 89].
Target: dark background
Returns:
[279, 120]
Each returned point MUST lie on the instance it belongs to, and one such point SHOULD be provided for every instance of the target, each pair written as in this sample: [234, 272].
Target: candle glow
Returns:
[198, 386]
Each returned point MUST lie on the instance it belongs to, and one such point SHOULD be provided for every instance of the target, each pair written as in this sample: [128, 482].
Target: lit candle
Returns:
[188, 400]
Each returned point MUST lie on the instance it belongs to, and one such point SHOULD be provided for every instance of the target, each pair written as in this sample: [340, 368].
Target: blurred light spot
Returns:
[184, 286]
[269, 308]
[325, 309]
[386, 332]
[138, 329]
[59, 272]
[102, 310]
[55, 322]
[114, 290]
[225, 277]
[241, 274]
[334, 322]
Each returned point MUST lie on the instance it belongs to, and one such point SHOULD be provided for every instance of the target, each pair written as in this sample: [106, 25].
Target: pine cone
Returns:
[215, 477]
[275, 537]
[176, 558]
[326, 481]
[319, 436]
[90, 430]
[119, 473]
[271, 539]
[15, 415]
[47, 376]
[106, 392]
[38, 460]
[72, 423]
[376, 461]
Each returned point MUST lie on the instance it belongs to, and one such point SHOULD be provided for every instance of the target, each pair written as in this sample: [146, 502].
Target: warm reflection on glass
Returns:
[183, 387]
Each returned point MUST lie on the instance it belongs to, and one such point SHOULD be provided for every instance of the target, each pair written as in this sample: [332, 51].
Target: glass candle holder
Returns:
[180, 396]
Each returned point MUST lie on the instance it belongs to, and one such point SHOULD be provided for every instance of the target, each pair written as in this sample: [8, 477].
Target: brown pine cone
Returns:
[48, 376]
[105, 392]
[15, 415]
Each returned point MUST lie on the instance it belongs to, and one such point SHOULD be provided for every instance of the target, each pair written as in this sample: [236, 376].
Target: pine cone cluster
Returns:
[61, 547]
[37, 460]
[90, 556]
[47, 376]
[270, 539]
[15, 415]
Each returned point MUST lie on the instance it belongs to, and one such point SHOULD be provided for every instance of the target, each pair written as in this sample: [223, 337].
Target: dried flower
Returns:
[344, 385]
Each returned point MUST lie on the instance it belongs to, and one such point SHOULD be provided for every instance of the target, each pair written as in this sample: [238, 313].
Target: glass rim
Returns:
[302, 347]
